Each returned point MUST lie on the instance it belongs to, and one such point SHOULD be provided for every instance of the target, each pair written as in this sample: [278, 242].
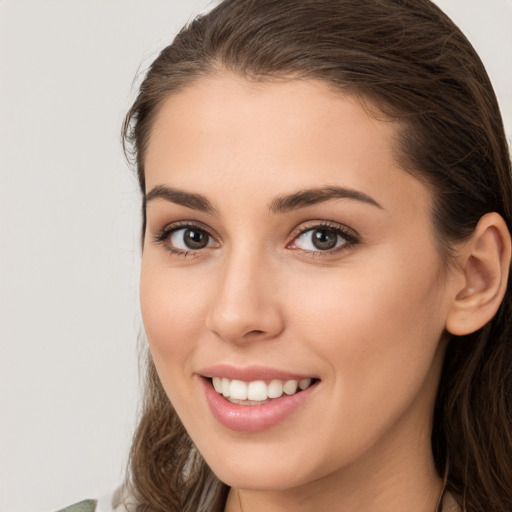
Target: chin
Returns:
[265, 468]
[256, 478]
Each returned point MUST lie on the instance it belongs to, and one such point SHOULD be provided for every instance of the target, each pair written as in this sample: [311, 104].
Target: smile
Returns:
[257, 392]
[255, 400]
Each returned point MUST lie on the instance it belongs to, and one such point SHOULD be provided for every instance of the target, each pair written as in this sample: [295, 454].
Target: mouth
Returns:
[258, 392]
[256, 404]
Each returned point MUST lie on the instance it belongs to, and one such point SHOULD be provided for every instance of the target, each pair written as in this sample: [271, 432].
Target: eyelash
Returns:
[162, 237]
[350, 238]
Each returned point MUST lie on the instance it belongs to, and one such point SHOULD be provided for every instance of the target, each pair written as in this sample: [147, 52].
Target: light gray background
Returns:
[69, 224]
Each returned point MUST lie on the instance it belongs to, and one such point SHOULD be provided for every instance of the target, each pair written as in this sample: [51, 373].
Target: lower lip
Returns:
[253, 418]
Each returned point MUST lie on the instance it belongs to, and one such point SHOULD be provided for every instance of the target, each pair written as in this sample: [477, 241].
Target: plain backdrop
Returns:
[69, 231]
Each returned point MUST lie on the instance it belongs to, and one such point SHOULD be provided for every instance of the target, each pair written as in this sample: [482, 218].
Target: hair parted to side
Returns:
[411, 64]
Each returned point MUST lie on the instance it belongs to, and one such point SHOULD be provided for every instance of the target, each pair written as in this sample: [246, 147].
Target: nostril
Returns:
[239, 321]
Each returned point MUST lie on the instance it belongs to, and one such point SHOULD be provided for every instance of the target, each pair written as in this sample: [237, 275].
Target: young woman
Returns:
[326, 202]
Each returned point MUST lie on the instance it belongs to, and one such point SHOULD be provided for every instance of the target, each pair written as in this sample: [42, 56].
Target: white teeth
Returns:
[217, 384]
[290, 387]
[225, 386]
[244, 402]
[238, 390]
[257, 391]
[304, 383]
[275, 389]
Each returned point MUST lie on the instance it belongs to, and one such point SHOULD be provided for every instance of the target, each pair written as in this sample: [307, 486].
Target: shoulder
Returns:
[117, 501]
[82, 506]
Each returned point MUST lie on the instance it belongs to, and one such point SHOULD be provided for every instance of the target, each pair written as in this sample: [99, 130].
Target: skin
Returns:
[368, 319]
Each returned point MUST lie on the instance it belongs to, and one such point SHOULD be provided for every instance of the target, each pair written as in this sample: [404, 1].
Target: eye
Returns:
[185, 239]
[191, 238]
[323, 238]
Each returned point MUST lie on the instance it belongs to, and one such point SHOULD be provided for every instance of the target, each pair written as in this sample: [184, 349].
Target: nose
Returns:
[245, 306]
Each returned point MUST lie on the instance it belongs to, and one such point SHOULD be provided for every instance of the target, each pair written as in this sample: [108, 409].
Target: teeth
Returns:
[238, 390]
[225, 387]
[245, 402]
[304, 383]
[275, 389]
[257, 391]
[290, 387]
[217, 384]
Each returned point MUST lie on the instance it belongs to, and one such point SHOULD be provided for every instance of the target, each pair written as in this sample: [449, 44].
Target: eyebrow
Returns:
[281, 204]
[188, 199]
[309, 197]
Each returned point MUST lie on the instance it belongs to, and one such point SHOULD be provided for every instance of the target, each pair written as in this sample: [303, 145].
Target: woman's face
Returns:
[284, 247]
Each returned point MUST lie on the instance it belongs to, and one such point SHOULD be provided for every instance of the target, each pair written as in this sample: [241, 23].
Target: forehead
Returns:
[273, 135]
[297, 107]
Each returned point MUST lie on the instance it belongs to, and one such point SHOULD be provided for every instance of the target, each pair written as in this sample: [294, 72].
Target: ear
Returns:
[484, 262]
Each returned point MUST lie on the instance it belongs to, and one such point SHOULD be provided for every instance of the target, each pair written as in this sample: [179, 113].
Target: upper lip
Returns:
[251, 373]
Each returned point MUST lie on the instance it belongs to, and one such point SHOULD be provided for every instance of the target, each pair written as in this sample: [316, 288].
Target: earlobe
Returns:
[484, 262]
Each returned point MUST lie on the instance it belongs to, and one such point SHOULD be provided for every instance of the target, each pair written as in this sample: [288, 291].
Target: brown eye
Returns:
[195, 239]
[190, 238]
[323, 238]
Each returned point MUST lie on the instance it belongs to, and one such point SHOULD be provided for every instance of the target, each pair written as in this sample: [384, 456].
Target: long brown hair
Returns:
[407, 61]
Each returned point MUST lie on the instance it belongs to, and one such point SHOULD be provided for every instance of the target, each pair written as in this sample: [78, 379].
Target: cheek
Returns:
[377, 339]
[171, 309]
[378, 326]
[372, 299]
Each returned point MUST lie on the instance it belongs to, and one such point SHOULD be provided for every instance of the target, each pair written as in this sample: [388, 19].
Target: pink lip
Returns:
[253, 418]
[250, 373]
